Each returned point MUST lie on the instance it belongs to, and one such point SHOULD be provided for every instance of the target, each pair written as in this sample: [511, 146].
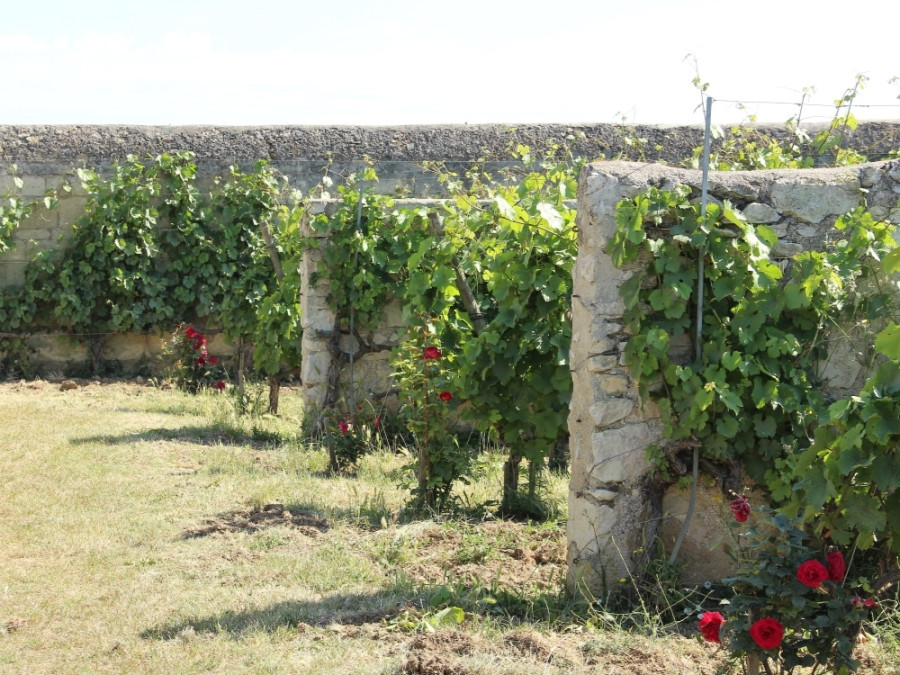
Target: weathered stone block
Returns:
[618, 453]
[786, 249]
[812, 199]
[704, 552]
[611, 411]
[758, 213]
[615, 384]
[599, 364]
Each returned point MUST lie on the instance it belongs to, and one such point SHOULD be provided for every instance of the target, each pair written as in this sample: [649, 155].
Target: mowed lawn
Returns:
[143, 530]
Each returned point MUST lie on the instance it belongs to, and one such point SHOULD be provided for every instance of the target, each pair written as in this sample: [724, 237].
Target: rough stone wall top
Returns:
[101, 143]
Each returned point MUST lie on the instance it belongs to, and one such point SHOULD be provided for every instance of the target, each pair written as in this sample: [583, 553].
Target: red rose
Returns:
[837, 568]
[431, 353]
[812, 573]
[190, 333]
[344, 427]
[213, 360]
[710, 623]
[740, 507]
[857, 601]
[220, 385]
[201, 361]
[446, 396]
[767, 633]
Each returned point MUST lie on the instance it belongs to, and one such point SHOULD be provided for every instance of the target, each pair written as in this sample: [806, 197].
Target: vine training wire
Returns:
[805, 104]
[359, 207]
[698, 347]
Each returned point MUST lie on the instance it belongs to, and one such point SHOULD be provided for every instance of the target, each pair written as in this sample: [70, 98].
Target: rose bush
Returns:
[194, 368]
[350, 436]
[740, 507]
[837, 568]
[424, 374]
[788, 608]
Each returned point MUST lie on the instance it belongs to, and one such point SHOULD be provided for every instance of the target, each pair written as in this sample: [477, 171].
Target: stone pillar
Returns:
[608, 429]
[316, 318]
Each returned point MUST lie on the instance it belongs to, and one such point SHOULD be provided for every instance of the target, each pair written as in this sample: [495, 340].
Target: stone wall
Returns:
[46, 155]
[610, 429]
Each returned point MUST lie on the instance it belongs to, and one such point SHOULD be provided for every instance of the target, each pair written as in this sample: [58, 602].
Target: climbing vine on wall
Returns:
[151, 250]
[754, 394]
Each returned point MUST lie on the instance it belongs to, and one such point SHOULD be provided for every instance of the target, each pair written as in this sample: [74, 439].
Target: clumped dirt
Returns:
[672, 655]
[527, 651]
[447, 641]
[530, 643]
[308, 524]
[488, 552]
[12, 625]
[431, 663]
[436, 654]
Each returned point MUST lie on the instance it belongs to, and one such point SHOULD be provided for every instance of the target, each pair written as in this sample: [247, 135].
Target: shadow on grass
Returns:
[370, 512]
[349, 609]
[201, 435]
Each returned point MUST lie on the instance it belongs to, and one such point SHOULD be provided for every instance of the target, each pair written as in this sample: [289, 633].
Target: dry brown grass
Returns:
[141, 533]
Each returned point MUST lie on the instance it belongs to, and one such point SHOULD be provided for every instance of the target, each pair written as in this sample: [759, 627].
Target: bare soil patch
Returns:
[309, 524]
[438, 654]
[503, 552]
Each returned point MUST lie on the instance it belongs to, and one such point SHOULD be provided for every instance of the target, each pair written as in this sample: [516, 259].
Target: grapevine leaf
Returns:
[887, 342]
[862, 512]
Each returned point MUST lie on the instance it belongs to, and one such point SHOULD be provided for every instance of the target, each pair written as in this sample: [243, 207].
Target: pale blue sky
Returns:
[404, 62]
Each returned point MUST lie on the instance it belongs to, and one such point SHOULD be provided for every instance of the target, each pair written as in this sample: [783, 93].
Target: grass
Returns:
[146, 531]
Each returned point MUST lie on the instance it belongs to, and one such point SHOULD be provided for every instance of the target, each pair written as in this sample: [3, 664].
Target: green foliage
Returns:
[363, 264]
[278, 334]
[111, 274]
[17, 303]
[846, 481]
[239, 207]
[515, 371]
[513, 243]
[15, 209]
[427, 622]
[745, 147]
[752, 394]
[150, 251]
[492, 268]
